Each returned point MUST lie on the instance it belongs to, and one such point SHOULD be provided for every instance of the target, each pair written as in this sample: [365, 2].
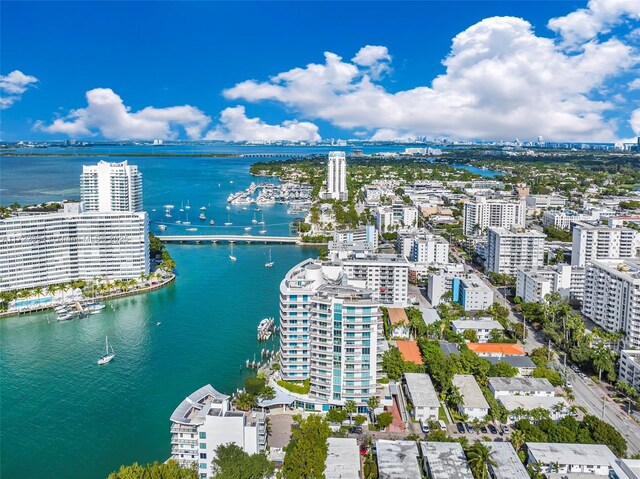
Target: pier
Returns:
[230, 239]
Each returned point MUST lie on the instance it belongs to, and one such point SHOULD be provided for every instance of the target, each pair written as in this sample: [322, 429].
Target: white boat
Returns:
[247, 228]
[94, 308]
[262, 232]
[211, 222]
[162, 227]
[178, 222]
[187, 207]
[202, 216]
[264, 329]
[270, 263]
[254, 220]
[261, 222]
[202, 208]
[228, 222]
[192, 229]
[67, 315]
[187, 223]
[167, 215]
[228, 207]
[231, 257]
[154, 210]
[168, 207]
[108, 356]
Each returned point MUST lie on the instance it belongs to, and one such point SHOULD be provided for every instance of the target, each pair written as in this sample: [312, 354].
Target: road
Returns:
[587, 393]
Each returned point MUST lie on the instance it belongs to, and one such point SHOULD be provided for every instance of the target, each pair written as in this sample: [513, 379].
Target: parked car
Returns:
[470, 428]
[492, 429]
[460, 428]
[483, 429]
[425, 427]
[363, 450]
[504, 429]
[355, 430]
[443, 426]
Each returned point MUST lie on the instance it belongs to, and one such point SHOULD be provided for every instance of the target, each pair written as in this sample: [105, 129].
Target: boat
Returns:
[167, 215]
[158, 323]
[186, 223]
[270, 263]
[153, 210]
[61, 309]
[247, 228]
[254, 220]
[94, 308]
[202, 216]
[264, 329]
[231, 257]
[228, 207]
[187, 207]
[67, 315]
[202, 208]
[228, 222]
[263, 231]
[261, 222]
[162, 227]
[108, 356]
[211, 222]
[168, 207]
[192, 229]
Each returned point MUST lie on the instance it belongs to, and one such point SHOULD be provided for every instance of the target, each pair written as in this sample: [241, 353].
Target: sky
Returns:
[564, 70]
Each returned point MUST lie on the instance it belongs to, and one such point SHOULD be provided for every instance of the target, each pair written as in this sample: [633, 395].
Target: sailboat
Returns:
[187, 207]
[231, 257]
[261, 222]
[271, 262]
[262, 231]
[108, 356]
[228, 222]
[254, 220]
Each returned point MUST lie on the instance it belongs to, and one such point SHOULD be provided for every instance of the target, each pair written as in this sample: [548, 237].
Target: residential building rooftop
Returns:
[397, 459]
[410, 351]
[422, 391]
[507, 462]
[514, 361]
[521, 385]
[445, 460]
[574, 454]
[398, 316]
[343, 459]
[505, 349]
[470, 391]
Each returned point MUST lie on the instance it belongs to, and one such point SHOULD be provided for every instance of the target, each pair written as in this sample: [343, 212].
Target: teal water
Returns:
[62, 416]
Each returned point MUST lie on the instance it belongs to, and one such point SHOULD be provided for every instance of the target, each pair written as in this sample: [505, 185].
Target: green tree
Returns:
[479, 457]
[307, 452]
[350, 406]
[336, 415]
[384, 420]
[245, 401]
[502, 370]
[231, 462]
[168, 470]
[518, 439]
[360, 419]
[254, 385]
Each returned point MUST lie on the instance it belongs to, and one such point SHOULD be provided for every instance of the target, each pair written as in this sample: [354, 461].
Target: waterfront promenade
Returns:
[230, 239]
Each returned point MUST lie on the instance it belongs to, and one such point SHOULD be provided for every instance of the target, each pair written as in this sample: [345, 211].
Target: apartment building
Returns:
[510, 249]
[471, 292]
[389, 218]
[483, 212]
[204, 420]
[366, 234]
[336, 177]
[583, 459]
[424, 248]
[108, 187]
[629, 370]
[533, 285]
[329, 334]
[385, 275]
[602, 242]
[37, 250]
[612, 297]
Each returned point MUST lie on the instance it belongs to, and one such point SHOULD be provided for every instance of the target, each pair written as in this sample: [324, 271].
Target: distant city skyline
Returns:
[567, 71]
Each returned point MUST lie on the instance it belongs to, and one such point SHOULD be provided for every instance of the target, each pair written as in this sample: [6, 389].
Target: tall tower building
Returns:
[337, 176]
[108, 187]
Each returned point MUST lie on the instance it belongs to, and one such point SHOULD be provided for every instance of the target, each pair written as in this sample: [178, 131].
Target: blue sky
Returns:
[181, 69]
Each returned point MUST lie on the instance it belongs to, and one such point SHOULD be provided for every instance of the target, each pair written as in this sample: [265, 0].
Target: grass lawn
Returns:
[442, 415]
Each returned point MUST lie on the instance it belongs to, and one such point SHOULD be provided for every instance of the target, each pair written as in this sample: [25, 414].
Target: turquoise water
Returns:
[61, 415]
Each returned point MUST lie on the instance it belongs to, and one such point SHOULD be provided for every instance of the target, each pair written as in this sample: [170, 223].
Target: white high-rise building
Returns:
[395, 216]
[629, 370]
[510, 249]
[37, 250]
[204, 421]
[107, 187]
[385, 275]
[485, 212]
[533, 285]
[329, 334]
[602, 242]
[337, 176]
[612, 297]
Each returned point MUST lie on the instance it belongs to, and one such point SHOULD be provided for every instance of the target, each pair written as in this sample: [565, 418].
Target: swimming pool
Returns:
[32, 302]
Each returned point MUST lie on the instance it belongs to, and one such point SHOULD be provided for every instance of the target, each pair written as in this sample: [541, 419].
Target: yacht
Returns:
[228, 222]
[247, 228]
[262, 231]
[254, 220]
[202, 216]
[211, 222]
[108, 356]
[231, 257]
[162, 227]
[94, 308]
[192, 229]
[261, 222]
[270, 263]
[187, 207]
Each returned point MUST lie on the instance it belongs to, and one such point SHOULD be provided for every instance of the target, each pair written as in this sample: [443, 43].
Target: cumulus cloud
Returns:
[12, 86]
[107, 114]
[235, 126]
[635, 122]
[635, 84]
[374, 57]
[598, 18]
[501, 81]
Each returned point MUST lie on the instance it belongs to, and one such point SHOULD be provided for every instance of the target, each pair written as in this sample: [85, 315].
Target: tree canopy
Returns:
[168, 470]
[231, 462]
[307, 452]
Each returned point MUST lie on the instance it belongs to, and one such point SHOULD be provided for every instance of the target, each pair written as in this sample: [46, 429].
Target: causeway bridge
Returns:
[248, 239]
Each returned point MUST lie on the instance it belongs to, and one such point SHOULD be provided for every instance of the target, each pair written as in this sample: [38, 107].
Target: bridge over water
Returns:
[230, 239]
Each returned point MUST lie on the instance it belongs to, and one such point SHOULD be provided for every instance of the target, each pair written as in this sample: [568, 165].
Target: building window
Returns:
[203, 445]
[203, 455]
[203, 435]
[203, 465]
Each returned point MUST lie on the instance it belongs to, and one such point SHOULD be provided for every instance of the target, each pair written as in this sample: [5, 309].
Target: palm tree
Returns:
[602, 359]
[518, 438]
[350, 406]
[373, 402]
[479, 457]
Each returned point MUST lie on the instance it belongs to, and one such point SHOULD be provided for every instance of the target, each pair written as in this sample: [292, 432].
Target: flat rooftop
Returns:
[397, 315]
[397, 460]
[410, 351]
[489, 324]
[470, 391]
[575, 454]
[421, 390]
[508, 464]
[514, 361]
[445, 460]
[528, 403]
[343, 459]
[505, 349]
[521, 385]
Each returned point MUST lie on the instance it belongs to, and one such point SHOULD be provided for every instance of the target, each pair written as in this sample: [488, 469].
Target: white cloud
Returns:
[12, 86]
[635, 122]
[374, 57]
[106, 114]
[635, 84]
[502, 81]
[235, 126]
[598, 18]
